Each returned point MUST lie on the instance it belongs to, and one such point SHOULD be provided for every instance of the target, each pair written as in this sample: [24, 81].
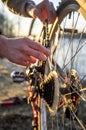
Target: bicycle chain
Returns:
[46, 41]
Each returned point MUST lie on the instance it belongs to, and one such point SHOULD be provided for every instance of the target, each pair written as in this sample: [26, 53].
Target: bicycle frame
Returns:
[82, 9]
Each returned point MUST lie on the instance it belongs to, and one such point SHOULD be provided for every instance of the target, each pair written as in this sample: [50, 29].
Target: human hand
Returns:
[22, 51]
[44, 10]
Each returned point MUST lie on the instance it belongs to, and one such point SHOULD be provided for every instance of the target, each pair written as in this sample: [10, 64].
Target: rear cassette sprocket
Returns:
[50, 91]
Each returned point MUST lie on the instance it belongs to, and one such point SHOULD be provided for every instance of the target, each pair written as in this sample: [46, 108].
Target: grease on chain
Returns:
[46, 41]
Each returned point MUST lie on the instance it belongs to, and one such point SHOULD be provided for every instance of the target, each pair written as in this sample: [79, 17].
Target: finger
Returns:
[38, 47]
[38, 14]
[28, 59]
[27, 63]
[24, 59]
[36, 54]
[45, 9]
[41, 11]
[51, 12]
[23, 63]
[33, 59]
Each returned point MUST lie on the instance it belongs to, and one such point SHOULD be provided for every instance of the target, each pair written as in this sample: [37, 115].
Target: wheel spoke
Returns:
[74, 116]
[75, 54]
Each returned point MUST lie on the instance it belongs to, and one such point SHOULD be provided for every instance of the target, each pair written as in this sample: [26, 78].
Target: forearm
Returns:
[18, 6]
[2, 45]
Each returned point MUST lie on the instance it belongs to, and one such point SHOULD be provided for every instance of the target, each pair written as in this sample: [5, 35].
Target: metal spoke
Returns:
[71, 40]
[75, 54]
[80, 123]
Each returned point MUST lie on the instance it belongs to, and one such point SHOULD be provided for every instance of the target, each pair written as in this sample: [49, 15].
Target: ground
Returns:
[13, 116]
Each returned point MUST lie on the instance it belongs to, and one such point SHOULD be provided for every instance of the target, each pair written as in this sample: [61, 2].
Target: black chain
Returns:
[46, 41]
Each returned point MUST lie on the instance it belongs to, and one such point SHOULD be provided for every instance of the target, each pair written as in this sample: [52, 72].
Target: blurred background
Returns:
[14, 25]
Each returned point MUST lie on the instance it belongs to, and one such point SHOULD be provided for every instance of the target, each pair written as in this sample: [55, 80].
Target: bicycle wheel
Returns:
[68, 40]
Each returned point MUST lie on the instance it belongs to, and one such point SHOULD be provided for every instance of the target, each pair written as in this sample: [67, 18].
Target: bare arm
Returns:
[18, 6]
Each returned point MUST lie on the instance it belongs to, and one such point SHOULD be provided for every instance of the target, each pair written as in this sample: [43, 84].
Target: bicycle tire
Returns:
[67, 9]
